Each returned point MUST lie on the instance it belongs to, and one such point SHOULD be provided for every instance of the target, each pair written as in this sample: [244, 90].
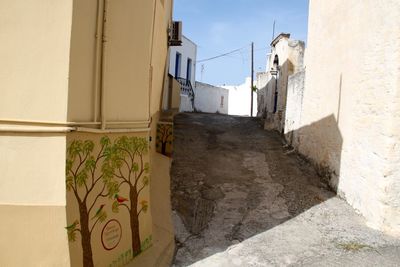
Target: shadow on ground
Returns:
[240, 197]
[232, 180]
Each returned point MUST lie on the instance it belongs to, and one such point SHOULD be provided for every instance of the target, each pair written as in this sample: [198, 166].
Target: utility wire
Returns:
[222, 55]
[232, 52]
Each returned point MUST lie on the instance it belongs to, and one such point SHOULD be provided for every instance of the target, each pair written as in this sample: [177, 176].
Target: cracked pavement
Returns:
[240, 198]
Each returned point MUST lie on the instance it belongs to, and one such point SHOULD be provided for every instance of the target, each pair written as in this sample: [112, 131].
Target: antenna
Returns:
[202, 72]
[273, 31]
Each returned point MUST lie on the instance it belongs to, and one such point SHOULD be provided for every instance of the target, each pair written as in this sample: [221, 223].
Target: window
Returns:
[189, 69]
[222, 101]
[178, 65]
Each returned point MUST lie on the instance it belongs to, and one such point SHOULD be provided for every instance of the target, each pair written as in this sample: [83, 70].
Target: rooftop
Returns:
[280, 36]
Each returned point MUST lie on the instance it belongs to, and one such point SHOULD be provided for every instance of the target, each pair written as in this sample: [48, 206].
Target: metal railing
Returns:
[186, 88]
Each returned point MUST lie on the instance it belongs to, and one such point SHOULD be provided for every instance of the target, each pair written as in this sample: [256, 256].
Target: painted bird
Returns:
[120, 199]
[98, 211]
[73, 225]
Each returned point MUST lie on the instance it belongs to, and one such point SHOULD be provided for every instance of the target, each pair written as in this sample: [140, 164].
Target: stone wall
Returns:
[350, 118]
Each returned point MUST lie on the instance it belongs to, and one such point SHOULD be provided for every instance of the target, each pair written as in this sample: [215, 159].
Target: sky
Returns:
[220, 26]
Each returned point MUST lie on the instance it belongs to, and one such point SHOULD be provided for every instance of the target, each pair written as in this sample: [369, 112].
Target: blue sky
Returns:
[219, 26]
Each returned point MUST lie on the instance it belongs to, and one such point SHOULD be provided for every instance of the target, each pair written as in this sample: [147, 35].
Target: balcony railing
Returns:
[186, 88]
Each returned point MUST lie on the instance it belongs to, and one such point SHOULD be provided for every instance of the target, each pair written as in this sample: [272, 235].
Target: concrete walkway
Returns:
[241, 199]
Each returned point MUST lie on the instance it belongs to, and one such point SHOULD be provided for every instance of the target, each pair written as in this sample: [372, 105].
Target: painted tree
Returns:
[125, 162]
[89, 185]
[164, 137]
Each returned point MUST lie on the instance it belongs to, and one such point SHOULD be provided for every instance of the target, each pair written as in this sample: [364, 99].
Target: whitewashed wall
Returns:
[211, 99]
[240, 99]
[290, 53]
[350, 121]
[294, 104]
[185, 104]
[187, 50]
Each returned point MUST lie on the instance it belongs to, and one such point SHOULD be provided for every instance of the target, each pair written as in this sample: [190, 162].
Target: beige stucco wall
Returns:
[127, 48]
[164, 238]
[353, 76]
[135, 66]
[33, 236]
[176, 94]
[127, 79]
[47, 85]
[32, 189]
[33, 87]
[83, 95]
[24, 180]
[35, 59]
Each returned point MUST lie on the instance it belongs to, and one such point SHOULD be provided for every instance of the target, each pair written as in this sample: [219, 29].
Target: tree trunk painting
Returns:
[85, 183]
[122, 169]
[164, 139]
[134, 219]
[126, 162]
[85, 236]
[163, 147]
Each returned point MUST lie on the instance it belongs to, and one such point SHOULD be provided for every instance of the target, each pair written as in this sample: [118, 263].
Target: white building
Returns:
[211, 99]
[182, 60]
[286, 59]
[182, 67]
[240, 99]
[202, 97]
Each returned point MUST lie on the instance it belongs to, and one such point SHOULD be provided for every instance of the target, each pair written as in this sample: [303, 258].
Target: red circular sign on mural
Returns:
[111, 234]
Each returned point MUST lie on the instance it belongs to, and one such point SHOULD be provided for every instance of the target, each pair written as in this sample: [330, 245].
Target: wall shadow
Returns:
[231, 180]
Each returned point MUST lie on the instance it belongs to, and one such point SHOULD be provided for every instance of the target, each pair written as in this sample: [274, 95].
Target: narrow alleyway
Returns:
[240, 198]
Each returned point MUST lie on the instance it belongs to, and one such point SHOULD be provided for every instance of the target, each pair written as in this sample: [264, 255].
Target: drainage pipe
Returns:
[97, 73]
[103, 66]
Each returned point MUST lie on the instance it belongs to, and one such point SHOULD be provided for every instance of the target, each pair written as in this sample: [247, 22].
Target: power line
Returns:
[221, 55]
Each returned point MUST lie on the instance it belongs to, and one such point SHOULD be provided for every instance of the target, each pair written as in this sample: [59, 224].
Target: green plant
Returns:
[353, 246]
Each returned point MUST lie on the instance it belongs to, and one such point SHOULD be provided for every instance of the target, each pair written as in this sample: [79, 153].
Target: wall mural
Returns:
[164, 138]
[107, 183]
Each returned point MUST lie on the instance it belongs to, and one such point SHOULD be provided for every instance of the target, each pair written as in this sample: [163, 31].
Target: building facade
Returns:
[349, 124]
[285, 59]
[82, 85]
[182, 60]
[182, 68]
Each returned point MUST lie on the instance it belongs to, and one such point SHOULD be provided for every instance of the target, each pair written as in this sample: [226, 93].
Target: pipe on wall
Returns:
[60, 130]
[97, 74]
[128, 130]
[35, 129]
[57, 123]
[103, 66]
[151, 59]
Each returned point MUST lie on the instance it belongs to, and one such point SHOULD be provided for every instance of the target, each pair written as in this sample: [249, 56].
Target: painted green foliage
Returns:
[125, 161]
[94, 177]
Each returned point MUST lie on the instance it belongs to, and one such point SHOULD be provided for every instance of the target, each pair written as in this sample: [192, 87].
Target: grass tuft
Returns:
[353, 246]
